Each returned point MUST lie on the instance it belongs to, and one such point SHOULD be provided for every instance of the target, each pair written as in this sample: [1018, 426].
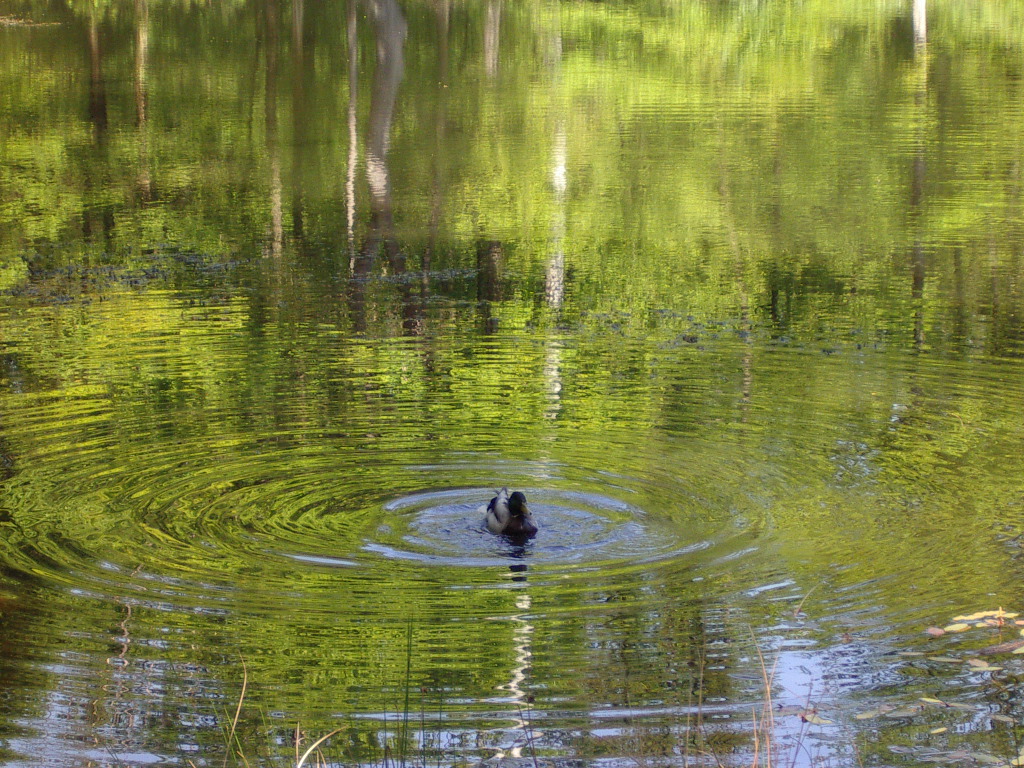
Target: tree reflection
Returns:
[918, 266]
[389, 28]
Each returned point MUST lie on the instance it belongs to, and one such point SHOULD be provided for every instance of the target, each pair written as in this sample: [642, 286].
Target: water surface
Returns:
[731, 292]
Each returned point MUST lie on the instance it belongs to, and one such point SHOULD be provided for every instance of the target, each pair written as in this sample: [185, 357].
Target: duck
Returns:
[508, 514]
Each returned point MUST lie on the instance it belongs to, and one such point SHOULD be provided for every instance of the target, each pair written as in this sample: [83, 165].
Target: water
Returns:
[731, 292]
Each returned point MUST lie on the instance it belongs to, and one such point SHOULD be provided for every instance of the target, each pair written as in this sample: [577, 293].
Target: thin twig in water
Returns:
[386, 749]
[757, 740]
[528, 728]
[799, 607]
[114, 757]
[440, 719]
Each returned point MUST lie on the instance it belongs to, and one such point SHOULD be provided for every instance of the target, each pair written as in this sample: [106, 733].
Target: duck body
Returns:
[507, 514]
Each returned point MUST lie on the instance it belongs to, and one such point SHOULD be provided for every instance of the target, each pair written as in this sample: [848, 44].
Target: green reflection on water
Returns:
[733, 292]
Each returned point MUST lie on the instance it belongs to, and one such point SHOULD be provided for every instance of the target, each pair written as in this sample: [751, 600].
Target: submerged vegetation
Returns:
[930, 728]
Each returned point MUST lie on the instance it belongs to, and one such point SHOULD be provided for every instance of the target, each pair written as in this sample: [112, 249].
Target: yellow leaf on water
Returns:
[873, 713]
[788, 710]
[904, 712]
[958, 627]
[815, 719]
[945, 659]
[984, 758]
[1018, 650]
[982, 666]
[1004, 719]
[934, 702]
[935, 631]
[956, 756]
[934, 731]
[1000, 614]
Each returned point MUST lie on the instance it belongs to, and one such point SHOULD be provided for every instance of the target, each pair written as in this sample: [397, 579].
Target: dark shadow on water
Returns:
[519, 571]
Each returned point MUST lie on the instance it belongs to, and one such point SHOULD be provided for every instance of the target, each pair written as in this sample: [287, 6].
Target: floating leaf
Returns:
[979, 665]
[958, 755]
[1010, 647]
[903, 712]
[987, 614]
[984, 758]
[815, 719]
[935, 731]
[911, 653]
[977, 662]
[945, 659]
[1004, 719]
[958, 627]
[947, 704]
[901, 750]
[789, 710]
[936, 631]
[873, 713]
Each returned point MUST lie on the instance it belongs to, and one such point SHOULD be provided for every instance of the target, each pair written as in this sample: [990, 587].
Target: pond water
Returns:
[733, 292]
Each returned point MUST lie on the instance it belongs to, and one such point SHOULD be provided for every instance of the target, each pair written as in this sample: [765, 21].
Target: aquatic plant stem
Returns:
[238, 712]
[423, 732]
[404, 738]
[705, 744]
[313, 746]
[768, 713]
[800, 605]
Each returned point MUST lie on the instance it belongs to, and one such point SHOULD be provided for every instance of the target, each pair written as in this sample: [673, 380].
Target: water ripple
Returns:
[577, 529]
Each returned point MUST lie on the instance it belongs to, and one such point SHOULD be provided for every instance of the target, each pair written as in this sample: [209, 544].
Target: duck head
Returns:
[520, 522]
[517, 505]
